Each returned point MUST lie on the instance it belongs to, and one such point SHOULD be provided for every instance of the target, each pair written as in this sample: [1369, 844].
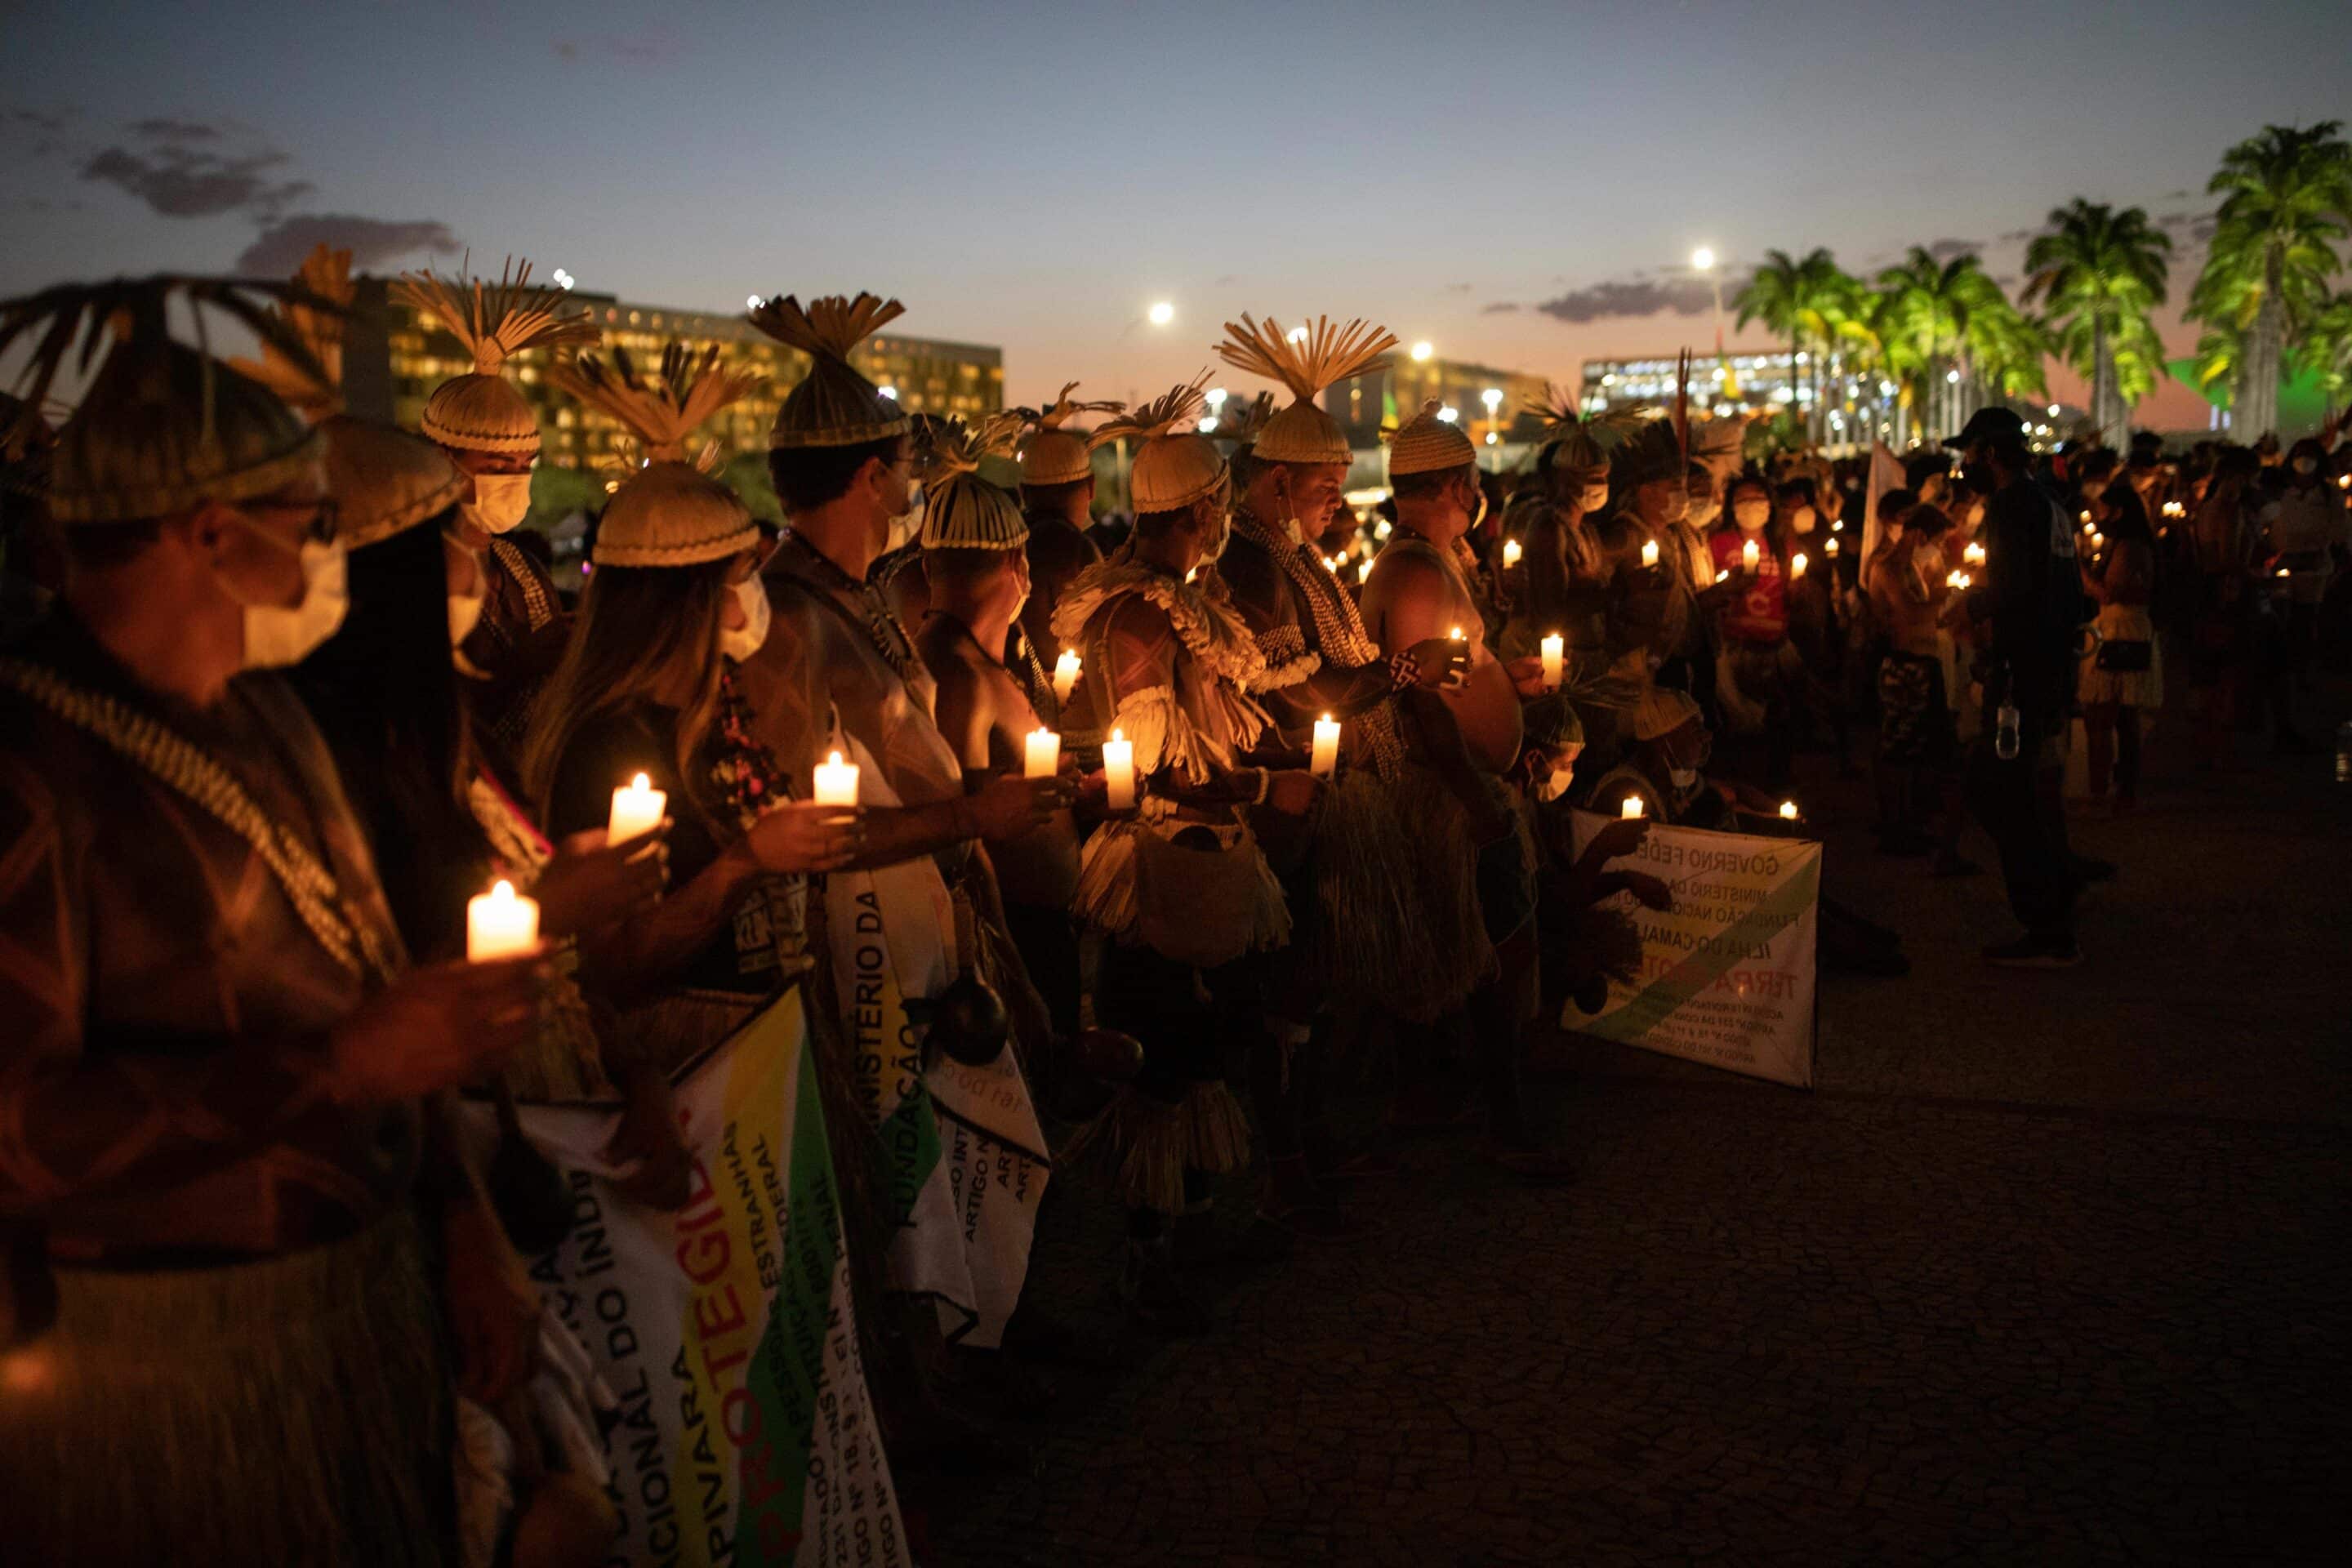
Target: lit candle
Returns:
[837, 781]
[1066, 674]
[2086, 517]
[1724, 576]
[1954, 580]
[1648, 552]
[1797, 565]
[1555, 660]
[1829, 548]
[637, 809]
[1749, 554]
[1043, 755]
[1974, 554]
[1788, 811]
[500, 923]
[1455, 634]
[1118, 770]
[1326, 757]
[2098, 541]
[1510, 553]
[1631, 808]
[1363, 571]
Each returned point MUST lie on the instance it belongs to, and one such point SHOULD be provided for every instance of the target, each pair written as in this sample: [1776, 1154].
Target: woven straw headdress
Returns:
[963, 511]
[1171, 471]
[384, 481]
[1579, 444]
[1661, 711]
[1053, 455]
[1425, 443]
[1302, 433]
[834, 406]
[479, 411]
[162, 428]
[669, 512]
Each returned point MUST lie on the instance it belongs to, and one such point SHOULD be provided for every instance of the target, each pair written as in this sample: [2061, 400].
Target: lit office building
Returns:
[395, 356]
[1488, 401]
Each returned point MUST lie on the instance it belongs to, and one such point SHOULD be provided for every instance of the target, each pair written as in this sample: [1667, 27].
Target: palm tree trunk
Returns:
[2258, 380]
[2103, 376]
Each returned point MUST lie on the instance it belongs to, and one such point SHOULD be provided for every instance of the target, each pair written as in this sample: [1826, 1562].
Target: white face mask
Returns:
[1685, 779]
[465, 615]
[276, 638]
[1751, 515]
[1704, 512]
[739, 643]
[501, 502]
[1554, 785]
[1803, 519]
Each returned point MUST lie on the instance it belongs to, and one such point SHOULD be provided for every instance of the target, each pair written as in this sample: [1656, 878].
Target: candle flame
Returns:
[502, 890]
[1789, 810]
[1118, 734]
[1455, 634]
[832, 759]
[642, 782]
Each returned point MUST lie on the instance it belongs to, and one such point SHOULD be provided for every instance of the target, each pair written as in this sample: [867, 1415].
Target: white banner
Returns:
[745, 1433]
[1727, 975]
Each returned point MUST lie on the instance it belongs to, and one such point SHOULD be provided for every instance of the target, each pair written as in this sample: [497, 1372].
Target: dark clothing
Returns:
[2028, 826]
[2034, 591]
[1914, 722]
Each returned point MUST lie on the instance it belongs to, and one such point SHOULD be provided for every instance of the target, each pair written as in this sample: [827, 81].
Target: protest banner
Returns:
[726, 1330]
[1727, 975]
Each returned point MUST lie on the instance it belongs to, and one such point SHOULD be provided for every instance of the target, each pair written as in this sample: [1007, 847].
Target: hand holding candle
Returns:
[1750, 556]
[1510, 553]
[1066, 674]
[1788, 811]
[1040, 753]
[1797, 565]
[1119, 771]
[1632, 810]
[837, 781]
[1326, 757]
[1555, 660]
[1648, 552]
[637, 810]
[501, 923]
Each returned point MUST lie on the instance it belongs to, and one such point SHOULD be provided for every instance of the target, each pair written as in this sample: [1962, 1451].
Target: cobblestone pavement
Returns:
[2049, 1268]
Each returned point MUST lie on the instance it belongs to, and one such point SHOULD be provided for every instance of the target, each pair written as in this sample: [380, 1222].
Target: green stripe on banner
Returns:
[910, 1148]
[1711, 961]
[787, 1375]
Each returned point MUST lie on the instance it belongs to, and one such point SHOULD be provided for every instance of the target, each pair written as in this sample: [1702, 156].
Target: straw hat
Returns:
[833, 406]
[1053, 455]
[162, 428]
[1426, 444]
[962, 510]
[480, 411]
[1662, 711]
[1171, 471]
[1302, 433]
[671, 511]
[384, 481]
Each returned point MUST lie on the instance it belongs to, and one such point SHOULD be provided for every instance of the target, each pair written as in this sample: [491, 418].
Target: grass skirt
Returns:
[1396, 874]
[1141, 1145]
[292, 1409]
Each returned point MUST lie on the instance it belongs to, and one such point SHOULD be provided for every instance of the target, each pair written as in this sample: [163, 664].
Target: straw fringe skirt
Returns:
[1141, 1146]
[294, 1409]
[1396, 869]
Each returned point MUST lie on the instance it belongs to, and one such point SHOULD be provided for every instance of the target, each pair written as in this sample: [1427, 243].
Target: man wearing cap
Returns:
[2031, 601]
[212, 1112]
[493, 434]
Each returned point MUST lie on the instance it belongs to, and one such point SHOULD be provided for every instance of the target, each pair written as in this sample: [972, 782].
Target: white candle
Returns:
[1749, 554]
[1829, 547]
[1973, 554]
[1797, 565]
[1631, 808]
[1363, 571]
[1066, 674]
[637, 809]
[837, 781]
[1043, 755]
[1118, 770]
[1510, 553]
[1954, 580]
[500, 922]
[1648, 552]
[2098, 541]
[1724, 576]
[1555, 660]
[1326, 757]
[1788, 811]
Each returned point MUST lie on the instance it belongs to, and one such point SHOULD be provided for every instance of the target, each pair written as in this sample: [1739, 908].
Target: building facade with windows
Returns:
[394, 356]
[1393, 393]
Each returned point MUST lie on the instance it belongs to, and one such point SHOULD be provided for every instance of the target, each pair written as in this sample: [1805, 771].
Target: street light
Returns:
[1449, 413]
[1162, 313]
[1493, 398]
[1216, 398]
[1422, 351]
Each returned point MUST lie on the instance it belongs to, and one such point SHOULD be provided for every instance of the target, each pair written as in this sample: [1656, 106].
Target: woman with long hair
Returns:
[2124, 676]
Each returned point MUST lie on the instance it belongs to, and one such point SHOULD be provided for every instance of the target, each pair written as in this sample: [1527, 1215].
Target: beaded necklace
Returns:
[881, 624]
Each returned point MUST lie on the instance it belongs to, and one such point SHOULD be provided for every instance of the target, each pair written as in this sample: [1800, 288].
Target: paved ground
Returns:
[2049, 1268]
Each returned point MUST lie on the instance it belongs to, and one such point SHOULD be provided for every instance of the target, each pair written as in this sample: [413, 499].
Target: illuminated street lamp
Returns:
[1493, 398]
[1162, 313]
[1422, 351]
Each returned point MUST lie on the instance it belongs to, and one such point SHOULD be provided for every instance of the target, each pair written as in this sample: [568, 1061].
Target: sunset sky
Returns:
[1519, 184]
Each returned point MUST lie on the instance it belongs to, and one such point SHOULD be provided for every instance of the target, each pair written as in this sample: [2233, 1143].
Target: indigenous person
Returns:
[1180, 885]
[1057, 498]
[1321, 663]
[213, 1086]
[1909, 586]
[2124, 676]
[493, 434]
[1421, 589]
[1653, 598]
[2031, 603]
[1586, 939]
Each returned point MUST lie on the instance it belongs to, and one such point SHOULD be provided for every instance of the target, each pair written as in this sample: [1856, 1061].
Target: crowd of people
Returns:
[284, 689]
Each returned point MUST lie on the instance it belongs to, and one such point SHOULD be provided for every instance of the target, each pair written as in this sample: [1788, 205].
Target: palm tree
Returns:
[1960, 331]
[1795, 299]
[2286, 201]
[2102, 273]
[2326, 348]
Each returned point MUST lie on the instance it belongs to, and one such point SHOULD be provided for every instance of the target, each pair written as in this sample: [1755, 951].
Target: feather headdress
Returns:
[962, 510]
[1170, 470]
[1306, 361]
[479, 412]
[1246, 427]
[669, 512]
[163, 426]
[1580, 441]
[834, 406]
[384, 481]
[1055, 456]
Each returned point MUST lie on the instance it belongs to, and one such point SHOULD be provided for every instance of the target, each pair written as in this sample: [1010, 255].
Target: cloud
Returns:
[1631, 297]
[2017, 236]
[36, 118]
[281, 247]
[176, 181]
[1499, 308]
[1457, 288]
[175, 131]
[1945, 249]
